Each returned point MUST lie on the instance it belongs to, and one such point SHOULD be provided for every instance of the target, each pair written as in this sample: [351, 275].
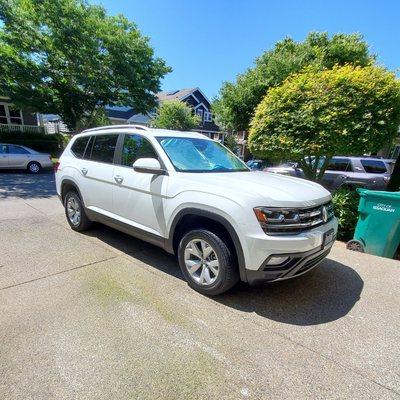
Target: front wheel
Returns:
[207, 262]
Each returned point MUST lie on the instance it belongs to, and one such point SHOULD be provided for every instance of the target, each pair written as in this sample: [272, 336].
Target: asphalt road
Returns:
[104, 316]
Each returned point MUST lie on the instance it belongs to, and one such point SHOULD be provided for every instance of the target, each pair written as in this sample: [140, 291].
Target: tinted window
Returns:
[374, 166]
[103, 148]
[136, 146]
[78, 148]
[339, 164]
[3, 149]
[17, 150]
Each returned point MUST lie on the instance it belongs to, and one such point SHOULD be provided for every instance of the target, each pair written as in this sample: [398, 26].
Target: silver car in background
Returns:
[368, 172]
[15, 156]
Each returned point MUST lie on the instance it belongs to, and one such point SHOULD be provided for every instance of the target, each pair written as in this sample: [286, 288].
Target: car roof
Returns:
[365, 158]
[143, 130]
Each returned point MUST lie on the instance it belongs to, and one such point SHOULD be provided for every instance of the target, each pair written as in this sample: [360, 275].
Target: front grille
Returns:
[308, 218]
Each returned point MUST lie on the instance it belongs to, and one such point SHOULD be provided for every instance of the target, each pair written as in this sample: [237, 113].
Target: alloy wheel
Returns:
[201, 262]
[73, 211]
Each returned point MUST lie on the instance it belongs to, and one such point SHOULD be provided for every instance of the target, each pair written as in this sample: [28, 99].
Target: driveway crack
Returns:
[59, 273]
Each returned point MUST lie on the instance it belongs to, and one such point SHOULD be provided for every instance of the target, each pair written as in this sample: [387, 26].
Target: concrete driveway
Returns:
[104, 316]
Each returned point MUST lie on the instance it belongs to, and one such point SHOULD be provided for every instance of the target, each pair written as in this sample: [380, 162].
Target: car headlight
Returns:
[292, 220]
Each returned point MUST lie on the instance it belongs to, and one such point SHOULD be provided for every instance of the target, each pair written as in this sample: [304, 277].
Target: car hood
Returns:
[262, 188]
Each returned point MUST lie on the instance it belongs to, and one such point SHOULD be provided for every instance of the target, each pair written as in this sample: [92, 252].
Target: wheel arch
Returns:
[193, 217]
[66, 185]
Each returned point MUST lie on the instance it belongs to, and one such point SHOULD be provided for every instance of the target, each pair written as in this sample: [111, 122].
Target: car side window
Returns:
[135, 147]
[103, 148]
[3, 149]
[374, 166]
[17, 150]
[79, 146]
[339, 164]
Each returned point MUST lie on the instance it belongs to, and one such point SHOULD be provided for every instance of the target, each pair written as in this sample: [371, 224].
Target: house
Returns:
[194, 97]
[13, 119]
[241, 142]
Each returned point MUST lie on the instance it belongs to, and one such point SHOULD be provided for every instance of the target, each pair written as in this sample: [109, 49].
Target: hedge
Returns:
[52, 144]
[345, 205]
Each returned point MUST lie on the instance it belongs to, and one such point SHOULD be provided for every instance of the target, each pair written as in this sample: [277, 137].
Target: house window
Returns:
[10, 115]
[15, 116]
[199, 112]
[207, 116]
[3, 115]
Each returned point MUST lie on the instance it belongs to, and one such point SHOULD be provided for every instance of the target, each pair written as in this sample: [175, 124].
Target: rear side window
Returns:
[103, 148]
[79, 146]
[339, 164]
[17, 150]
[374, 166]
[136, 146]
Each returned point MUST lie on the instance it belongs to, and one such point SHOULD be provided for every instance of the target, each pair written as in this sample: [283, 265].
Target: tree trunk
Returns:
[394, 183]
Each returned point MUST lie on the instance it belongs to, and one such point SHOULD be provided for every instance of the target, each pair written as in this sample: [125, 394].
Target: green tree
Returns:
[175, 114]
[322, 113]
[235, 105]
[230, 142]
[70, 58]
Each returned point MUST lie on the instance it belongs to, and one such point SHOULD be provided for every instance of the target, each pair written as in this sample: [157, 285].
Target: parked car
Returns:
[258, 165]
[368, 172]
[194, 198]
[13, 156]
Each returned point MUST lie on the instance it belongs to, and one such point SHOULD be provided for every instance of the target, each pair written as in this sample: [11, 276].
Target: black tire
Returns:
[34, 167]
[84, 222]
[228, 274]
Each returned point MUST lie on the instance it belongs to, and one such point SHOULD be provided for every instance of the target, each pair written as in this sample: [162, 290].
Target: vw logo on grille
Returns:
[324, 214]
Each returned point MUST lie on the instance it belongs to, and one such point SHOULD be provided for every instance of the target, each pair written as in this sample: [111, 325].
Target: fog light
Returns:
[277, 260]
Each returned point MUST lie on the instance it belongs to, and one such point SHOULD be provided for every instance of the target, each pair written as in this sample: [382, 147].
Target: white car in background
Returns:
[15, 156]
[194, 198]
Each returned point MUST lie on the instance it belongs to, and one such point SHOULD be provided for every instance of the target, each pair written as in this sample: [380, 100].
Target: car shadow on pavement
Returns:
[27, 186]
[323, 295]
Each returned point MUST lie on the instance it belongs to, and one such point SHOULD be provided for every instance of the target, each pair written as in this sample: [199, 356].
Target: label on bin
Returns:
[384, 207]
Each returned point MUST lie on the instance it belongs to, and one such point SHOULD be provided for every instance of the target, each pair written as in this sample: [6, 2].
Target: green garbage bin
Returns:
[378, 226]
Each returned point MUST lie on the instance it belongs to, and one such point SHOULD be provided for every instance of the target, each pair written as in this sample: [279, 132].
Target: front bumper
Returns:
[296, 265]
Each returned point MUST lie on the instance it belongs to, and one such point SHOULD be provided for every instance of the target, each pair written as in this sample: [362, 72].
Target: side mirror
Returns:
[149, 166]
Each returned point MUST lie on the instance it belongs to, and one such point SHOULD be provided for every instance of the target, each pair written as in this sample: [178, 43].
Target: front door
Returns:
[3, 156]
[138, 197]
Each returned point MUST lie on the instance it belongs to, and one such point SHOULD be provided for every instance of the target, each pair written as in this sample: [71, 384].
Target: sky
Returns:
[209, 42]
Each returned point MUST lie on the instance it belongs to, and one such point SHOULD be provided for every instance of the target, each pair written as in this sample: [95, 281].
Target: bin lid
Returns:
[379, 193]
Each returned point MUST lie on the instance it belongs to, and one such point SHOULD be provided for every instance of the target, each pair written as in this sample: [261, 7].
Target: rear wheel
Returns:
[207, 262]
[75, 212]
[34, 167]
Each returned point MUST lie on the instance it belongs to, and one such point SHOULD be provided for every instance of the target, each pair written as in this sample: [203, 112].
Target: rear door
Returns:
[336, 173]
[96, 172]
[18, 156]
[138, 197]
[3, 156]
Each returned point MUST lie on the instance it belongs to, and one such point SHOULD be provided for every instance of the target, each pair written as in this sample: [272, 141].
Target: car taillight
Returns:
[56, 166]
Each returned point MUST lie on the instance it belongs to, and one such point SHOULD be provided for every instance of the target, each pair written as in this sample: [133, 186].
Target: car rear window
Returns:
[103, 148]
[79, 146]
[374, 166]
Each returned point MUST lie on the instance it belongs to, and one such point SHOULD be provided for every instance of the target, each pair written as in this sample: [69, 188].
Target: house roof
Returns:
[120, 112]
[175, 94]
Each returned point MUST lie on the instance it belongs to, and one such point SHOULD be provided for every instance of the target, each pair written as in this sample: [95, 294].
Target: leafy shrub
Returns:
[345, 204]
[52, 144]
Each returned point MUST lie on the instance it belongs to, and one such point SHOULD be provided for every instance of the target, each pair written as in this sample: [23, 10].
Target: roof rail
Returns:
[126, 126]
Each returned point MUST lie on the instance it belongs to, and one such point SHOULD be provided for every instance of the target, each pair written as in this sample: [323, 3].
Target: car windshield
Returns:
[200, 155]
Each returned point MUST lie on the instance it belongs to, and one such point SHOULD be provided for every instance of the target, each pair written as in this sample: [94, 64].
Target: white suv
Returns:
[194, 198]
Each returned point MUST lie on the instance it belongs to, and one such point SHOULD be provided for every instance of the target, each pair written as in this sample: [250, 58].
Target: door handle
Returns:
[118, 178]
[84, 171]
